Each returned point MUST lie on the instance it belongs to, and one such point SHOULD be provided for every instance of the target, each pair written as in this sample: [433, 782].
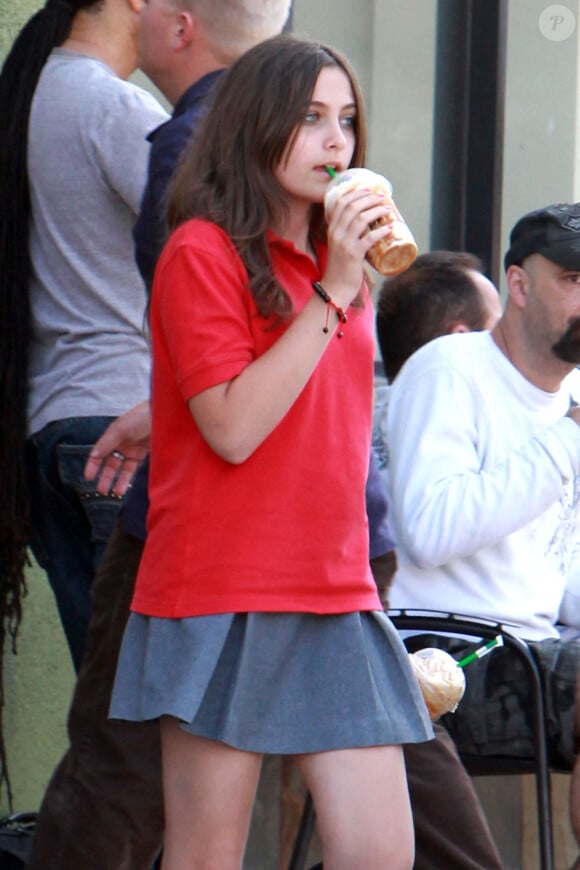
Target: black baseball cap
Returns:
[553, 232]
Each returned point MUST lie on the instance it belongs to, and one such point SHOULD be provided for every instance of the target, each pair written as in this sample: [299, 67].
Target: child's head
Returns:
[229, 174]
[260, 104]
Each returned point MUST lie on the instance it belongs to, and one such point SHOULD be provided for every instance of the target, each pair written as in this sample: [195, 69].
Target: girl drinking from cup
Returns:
[256, 625]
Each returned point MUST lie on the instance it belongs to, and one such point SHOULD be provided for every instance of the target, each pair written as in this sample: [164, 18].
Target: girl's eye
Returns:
[310, 117]
[348, 121]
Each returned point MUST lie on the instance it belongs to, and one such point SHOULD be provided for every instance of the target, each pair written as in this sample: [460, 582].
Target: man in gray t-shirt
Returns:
[88, 355]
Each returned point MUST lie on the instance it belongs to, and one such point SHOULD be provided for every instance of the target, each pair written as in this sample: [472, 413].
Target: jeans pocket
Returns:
[100, 510]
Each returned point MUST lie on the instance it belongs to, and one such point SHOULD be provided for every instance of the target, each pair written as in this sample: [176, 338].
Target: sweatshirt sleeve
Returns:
[448, 495]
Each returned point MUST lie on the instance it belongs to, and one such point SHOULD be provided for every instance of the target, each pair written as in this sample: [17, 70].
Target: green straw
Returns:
[482, 651]
[330, 171]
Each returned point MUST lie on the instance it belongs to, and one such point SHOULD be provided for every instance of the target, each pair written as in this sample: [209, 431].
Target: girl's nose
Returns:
[336, 136]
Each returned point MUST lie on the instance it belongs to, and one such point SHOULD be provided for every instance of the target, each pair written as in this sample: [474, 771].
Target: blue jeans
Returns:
[71, 522]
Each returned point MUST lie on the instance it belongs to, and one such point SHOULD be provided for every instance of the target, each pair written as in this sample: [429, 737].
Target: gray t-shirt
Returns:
[87, 161]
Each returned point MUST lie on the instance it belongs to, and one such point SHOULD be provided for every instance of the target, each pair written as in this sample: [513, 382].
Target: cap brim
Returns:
[565, 253]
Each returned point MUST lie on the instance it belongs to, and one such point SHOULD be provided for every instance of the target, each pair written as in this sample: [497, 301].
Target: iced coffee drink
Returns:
[394, 253]
[442, 682]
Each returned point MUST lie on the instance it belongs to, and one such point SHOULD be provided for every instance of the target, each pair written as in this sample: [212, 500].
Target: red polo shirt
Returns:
[286, 530]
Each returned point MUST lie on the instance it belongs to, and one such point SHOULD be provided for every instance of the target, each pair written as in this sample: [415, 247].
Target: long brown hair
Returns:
[227, 175]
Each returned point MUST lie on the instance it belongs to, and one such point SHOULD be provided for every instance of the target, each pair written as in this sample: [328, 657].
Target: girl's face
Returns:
[325, 137]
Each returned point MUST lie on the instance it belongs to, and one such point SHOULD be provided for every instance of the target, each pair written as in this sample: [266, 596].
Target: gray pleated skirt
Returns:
[276, 683]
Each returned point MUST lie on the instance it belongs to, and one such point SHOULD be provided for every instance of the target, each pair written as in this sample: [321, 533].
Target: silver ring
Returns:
[118, 455]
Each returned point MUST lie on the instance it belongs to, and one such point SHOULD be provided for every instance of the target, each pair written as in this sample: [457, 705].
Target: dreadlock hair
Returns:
[48, 28]
[228, 176]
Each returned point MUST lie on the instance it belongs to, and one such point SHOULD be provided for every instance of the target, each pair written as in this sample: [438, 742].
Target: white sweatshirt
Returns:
[484, 485]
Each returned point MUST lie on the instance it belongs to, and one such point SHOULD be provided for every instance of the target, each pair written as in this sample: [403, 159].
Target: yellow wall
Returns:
[38, 686]
[13, 14]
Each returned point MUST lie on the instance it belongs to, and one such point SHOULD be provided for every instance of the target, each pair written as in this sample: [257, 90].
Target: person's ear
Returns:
[136, 5]
[459, 327]
[517, 280]
[184, 30]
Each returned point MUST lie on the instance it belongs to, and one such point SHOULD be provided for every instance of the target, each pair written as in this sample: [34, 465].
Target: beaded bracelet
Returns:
[342, 317]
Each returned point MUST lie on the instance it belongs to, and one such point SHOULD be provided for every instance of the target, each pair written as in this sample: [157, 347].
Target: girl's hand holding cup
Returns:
[389, 253]
[357, 221]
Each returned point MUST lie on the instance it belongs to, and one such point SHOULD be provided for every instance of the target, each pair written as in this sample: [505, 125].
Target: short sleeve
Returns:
[202, 309]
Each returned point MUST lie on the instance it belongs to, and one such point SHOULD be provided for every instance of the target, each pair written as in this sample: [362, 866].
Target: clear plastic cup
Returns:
[441, 681]
[396, 252]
